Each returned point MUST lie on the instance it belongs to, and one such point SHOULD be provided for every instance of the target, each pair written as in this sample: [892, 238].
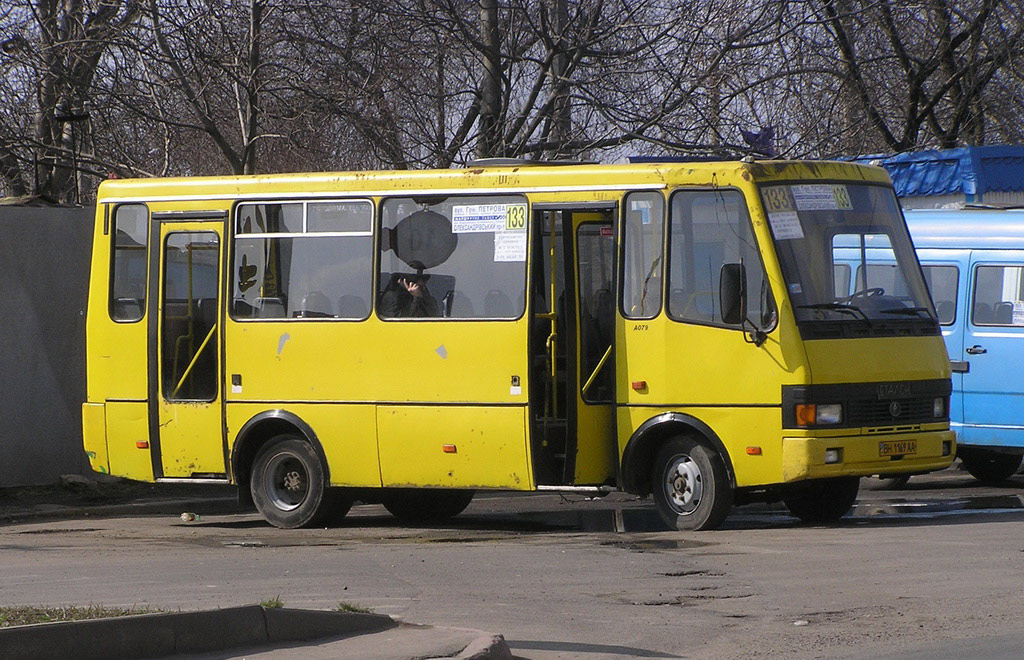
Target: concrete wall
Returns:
[44, 281]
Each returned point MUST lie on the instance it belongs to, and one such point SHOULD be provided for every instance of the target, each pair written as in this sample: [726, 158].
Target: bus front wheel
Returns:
[823, 500]
[425, 504]
[289, 486]
[691, 487]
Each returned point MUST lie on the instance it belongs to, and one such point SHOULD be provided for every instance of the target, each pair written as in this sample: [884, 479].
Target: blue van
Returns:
[973, 262]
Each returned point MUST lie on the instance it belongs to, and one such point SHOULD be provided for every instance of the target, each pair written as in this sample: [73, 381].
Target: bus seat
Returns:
[241, 308]
[126, 309]
[270, 308]
[315, 304]
[1003, 313]
[946, 310]
[462, 306]
[983, 313]
[207, 311]
[352, 307]
[497, 304]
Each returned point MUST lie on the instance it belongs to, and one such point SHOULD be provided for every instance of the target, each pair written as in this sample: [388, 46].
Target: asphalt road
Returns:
[929, 569]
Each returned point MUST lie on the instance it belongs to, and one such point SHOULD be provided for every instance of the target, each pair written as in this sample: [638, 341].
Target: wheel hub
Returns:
[684, 484]
[286, 482]
[292, 481]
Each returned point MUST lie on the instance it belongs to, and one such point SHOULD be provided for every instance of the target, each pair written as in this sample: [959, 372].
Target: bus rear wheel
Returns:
[823, 500]
[426, 504]
[691, 487]
[289, 485]
[989, 466]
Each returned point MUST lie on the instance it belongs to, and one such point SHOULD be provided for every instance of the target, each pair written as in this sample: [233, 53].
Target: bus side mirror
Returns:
[732, 293]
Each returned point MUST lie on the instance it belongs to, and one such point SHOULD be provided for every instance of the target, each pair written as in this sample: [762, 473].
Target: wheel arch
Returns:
[643, 446]
[259, 430]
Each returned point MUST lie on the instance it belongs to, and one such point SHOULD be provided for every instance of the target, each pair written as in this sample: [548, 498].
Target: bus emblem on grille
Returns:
[895, 409]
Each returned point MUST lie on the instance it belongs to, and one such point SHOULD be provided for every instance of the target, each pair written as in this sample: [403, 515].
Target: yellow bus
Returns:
[674, 330]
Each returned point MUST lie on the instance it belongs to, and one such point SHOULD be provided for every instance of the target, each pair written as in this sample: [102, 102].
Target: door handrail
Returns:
[597, 370]
[195, 358]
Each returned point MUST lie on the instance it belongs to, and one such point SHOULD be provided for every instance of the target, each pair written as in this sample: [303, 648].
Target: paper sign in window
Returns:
[785, 225]
[475, 218]
[510, 246]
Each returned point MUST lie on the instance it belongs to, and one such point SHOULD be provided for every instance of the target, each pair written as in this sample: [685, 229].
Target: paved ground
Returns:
[929, 569]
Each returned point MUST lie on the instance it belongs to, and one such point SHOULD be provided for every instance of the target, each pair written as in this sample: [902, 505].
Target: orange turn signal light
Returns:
[806, 414]
[753, 451]
[449, 449]
[639, 385]
[142, 444]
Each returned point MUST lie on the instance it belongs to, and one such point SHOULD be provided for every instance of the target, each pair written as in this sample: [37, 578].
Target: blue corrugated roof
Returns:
[967, 170]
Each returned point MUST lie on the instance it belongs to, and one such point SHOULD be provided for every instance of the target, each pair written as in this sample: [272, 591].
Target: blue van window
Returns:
[942, 282]
[999, 295]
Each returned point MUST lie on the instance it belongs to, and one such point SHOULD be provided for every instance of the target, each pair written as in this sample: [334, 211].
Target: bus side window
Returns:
[128, 264]
[297, 260]
[453, 257]
[642, 260]
[707, 231]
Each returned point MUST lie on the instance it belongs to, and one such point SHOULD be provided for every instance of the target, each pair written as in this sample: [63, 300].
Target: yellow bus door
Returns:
[573, 425]
[185, 397]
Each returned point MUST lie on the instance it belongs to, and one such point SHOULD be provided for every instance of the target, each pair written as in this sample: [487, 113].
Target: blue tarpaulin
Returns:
[968, 171]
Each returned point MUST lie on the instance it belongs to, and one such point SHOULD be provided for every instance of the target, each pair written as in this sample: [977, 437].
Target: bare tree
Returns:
[51, 52]
[917, 73]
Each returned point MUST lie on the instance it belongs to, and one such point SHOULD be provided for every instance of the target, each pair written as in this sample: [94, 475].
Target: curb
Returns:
[212, 506]
[153, 635]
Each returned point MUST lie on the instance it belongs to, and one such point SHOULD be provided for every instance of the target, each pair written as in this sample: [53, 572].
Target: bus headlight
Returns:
[939, 407]
[810, 414]
[831, 413]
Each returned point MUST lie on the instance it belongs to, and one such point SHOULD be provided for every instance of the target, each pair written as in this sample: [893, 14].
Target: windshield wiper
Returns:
[906, 310]
[843, 308]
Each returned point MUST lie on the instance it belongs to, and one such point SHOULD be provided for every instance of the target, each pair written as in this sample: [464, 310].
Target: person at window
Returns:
[407, 296]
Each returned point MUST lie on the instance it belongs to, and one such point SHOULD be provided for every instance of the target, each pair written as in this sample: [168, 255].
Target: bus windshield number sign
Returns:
[515, 217]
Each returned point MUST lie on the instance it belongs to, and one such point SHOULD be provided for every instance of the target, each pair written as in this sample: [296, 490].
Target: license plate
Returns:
[897, 447]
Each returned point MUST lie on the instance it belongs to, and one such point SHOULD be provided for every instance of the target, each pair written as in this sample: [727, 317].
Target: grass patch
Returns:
[23, 616]
[349, 607]
[272, 603]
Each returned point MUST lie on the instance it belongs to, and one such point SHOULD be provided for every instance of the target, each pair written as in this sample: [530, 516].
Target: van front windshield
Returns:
[849, 265]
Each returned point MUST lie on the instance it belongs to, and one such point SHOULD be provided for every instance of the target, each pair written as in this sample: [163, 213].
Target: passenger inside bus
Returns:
[407, 296]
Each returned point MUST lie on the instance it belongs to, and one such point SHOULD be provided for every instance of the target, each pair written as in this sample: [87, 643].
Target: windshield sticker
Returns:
[795, 288]
[515, 217]
[776, 198]
[477, 218]
[510, 246]
[642, 206]
[822, 197]
[785, 225]
[1018, 312]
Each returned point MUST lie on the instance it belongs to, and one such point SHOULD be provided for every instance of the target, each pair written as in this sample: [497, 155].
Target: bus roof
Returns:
[975, 228]
[483, 180]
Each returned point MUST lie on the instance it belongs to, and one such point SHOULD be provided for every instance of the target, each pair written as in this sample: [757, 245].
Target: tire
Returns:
[989, 466]
[823, 500]
[289, 486]
[690, 485]
[426, 504]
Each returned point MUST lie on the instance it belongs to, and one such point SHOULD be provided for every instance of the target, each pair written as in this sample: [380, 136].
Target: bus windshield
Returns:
[847, 259]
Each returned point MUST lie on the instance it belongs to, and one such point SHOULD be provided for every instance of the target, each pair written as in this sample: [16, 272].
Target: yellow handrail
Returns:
[597, 369]
[195, 358]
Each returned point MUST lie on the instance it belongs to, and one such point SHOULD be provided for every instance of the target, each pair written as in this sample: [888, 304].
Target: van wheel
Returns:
[425, 504]
[691, 487]
[823, 500]
[288, 485]
[989, 466]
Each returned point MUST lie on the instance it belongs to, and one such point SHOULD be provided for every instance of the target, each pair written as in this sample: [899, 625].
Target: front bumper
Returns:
[860, 455]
